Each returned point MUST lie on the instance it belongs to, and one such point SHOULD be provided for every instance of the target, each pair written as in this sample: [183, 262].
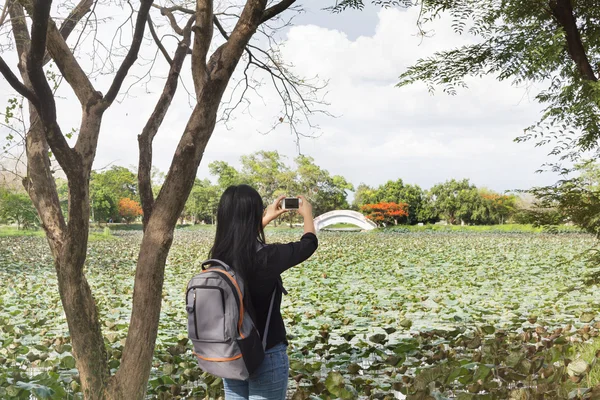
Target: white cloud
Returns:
[385, 132]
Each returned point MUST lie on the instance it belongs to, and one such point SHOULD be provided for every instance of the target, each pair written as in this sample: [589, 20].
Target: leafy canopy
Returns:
[15, 207]
[553, 43]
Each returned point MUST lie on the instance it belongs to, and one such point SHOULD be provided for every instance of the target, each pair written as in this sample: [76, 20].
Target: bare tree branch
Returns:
[72, 20]
[69, 67]
[46, 104]
[158, 42]
[203, 35]
[7, 5]
[38, 182]
[132, 54]
[154, 122]
[177, 8]
[16, 84]
[168, 12]
[64, 59]
[20, 33]
[227, 56]
[220, 28]
[297, 95]
[74, 17]
[276, 10]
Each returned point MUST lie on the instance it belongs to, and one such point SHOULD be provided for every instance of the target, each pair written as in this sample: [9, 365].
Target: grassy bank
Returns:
[10, 231]
[100, 231]
[485, 228]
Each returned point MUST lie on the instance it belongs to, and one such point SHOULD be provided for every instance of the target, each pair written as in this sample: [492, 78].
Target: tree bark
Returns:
[82, 318]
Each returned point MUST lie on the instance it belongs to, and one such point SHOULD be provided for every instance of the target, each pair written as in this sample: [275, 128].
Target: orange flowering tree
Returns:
[129, 209]
[385, 213]
[498, 206]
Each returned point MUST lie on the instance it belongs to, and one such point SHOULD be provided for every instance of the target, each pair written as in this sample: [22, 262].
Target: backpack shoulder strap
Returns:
[266, 332]
[217, 262]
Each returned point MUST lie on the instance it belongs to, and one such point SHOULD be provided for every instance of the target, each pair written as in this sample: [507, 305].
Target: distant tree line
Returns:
[271, 176]
[114, 196]
[454, 201]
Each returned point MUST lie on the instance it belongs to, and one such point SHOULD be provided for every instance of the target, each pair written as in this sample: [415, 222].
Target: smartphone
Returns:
[290, 203]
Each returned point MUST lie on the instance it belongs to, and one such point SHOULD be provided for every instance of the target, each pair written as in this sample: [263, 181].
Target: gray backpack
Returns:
[226, 341]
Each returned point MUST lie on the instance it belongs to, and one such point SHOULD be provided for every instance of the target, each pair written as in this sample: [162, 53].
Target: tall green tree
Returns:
[16, 208]
[103, 204]
[454, 200]
[494, 208]
[589, 173]
[576, 200]
[266, 171]
[364, 194]
[120, 181]
[107, 188]
[413, 195]
[428, 213]
[203, 201]
[326, 192]
[396, 192]
[225, 173]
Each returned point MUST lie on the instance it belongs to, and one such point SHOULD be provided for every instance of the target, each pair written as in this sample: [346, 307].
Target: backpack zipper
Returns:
[194, 303]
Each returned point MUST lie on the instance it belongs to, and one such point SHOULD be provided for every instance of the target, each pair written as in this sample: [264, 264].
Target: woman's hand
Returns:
[273, 211]
[305, 208]
[306, 211]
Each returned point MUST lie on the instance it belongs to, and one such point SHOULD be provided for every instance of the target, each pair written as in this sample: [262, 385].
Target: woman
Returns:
[240, 242]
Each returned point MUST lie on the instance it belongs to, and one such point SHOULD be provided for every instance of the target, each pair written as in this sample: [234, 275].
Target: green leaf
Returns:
[587, 317]
[67, 362]
[40, 391]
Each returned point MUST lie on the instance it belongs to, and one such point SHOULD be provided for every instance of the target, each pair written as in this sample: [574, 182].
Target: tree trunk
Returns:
[132, 377]
[84, 327]
[76, 296]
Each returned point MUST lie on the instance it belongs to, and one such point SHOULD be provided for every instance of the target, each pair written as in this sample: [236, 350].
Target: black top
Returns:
[278, 258]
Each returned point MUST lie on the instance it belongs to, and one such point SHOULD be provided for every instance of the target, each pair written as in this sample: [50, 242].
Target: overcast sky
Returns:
[379, 132]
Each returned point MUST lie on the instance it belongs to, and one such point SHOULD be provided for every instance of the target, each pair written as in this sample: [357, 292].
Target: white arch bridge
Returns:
[344, 217]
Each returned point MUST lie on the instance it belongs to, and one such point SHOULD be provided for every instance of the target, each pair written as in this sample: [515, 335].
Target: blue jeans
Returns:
[268, 382]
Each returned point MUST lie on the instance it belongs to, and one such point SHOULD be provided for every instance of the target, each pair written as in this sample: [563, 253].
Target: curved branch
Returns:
[74, 17]
[154, 122]
[176, 8]
[220, 28]
[20, 33]
[46, 106]
[275, 10]
[72, 20]
[7, 5]
[227, 56]
[158, 42]
[132, 54]
[16, 84]
[169, 14]
[68, 66]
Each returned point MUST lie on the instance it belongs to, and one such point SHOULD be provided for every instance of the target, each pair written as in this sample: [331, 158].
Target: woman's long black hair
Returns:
[239, 229]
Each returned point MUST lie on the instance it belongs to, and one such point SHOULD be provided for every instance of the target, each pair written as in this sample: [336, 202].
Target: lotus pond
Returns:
[421, 315]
